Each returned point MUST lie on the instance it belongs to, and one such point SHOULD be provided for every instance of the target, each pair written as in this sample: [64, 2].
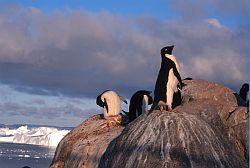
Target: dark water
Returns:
[14, 155]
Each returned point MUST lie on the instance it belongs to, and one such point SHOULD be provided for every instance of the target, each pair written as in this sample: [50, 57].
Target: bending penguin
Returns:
[111, 102]
[168, 83]
[244, 93]
[139, 104]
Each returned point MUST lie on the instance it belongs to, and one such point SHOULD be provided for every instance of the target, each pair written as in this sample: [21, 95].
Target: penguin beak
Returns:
[123, 99]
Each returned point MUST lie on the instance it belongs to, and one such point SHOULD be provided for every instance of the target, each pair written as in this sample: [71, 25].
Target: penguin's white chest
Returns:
[171, 88]
[172, 81]
[145, 103]
[144, 106]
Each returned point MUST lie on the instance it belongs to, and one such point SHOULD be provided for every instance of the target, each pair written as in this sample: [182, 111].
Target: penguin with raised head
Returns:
[168, 79]
[244, 93]
[139, 104]
[111, 102]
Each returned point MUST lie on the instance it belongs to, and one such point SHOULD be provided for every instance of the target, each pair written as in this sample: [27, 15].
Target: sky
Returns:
[57, 56]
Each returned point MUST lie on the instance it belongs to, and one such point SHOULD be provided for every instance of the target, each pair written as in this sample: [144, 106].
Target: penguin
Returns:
[139, 104]
[244, 93]
[111, 102]
[168, 78]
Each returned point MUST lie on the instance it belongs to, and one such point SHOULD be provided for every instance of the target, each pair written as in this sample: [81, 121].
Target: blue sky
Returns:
[128, 7]
[57, 56]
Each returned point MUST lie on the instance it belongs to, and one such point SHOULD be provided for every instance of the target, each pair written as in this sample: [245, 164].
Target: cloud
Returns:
[18, 107]
[232, 7]
[195, 9]
[45, 111]
[214, 22]
[80, 54]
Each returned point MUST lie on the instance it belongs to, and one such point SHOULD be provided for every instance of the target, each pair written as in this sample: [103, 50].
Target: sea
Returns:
[15, 155]
[19, 155]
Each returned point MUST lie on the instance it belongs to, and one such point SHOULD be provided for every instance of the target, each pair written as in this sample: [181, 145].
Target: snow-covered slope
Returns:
[46, 136]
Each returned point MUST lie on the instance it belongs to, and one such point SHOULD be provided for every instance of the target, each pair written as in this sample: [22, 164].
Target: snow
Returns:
[46, 136]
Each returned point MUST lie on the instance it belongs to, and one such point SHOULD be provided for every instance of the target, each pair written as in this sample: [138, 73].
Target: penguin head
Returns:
[167, 50]
[100, 100]
[245, 87]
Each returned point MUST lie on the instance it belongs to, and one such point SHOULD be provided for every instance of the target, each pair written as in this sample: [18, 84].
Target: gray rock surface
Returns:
[225, 103]
[208, 130]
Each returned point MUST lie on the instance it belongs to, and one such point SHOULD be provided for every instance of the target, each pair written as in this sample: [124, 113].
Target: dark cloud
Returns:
[13, 109]
[44, 110]
[81, 54]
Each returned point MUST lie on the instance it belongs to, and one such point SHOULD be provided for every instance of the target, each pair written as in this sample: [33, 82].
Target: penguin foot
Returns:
[114, 121]
[162, 108]
[111, 123]
[170, 110]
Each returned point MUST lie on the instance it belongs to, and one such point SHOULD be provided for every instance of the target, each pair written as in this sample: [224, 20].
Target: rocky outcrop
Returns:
[209, 129]
[227, 104]
[84, 145]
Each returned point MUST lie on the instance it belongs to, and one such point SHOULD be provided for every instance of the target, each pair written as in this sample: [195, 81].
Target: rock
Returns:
[232, 112]
[84, 145]
[208, 130]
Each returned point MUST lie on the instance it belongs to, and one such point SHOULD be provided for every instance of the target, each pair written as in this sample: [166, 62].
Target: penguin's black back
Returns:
[162, 79]
[136, 103]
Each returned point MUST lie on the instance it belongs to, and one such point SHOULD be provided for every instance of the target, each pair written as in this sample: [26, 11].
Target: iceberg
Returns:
[46, 136]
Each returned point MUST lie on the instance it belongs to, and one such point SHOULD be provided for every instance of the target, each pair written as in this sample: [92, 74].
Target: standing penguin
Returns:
[244, 93]
[167, 80]
[111, 102]
[139, 104]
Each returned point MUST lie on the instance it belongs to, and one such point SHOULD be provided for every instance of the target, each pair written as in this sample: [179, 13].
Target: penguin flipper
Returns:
[125, 112]
[139, 109]
[176, 73]
[123, 99]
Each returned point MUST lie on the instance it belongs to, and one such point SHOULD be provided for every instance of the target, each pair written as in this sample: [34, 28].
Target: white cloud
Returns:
[215, 22]
[81, 53]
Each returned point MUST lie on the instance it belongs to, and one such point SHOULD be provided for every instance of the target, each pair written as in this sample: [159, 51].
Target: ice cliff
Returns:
[210, 129]
[84, 145]
[46, 136]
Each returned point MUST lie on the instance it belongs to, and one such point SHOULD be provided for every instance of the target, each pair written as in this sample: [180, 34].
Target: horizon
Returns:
[56, 57]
